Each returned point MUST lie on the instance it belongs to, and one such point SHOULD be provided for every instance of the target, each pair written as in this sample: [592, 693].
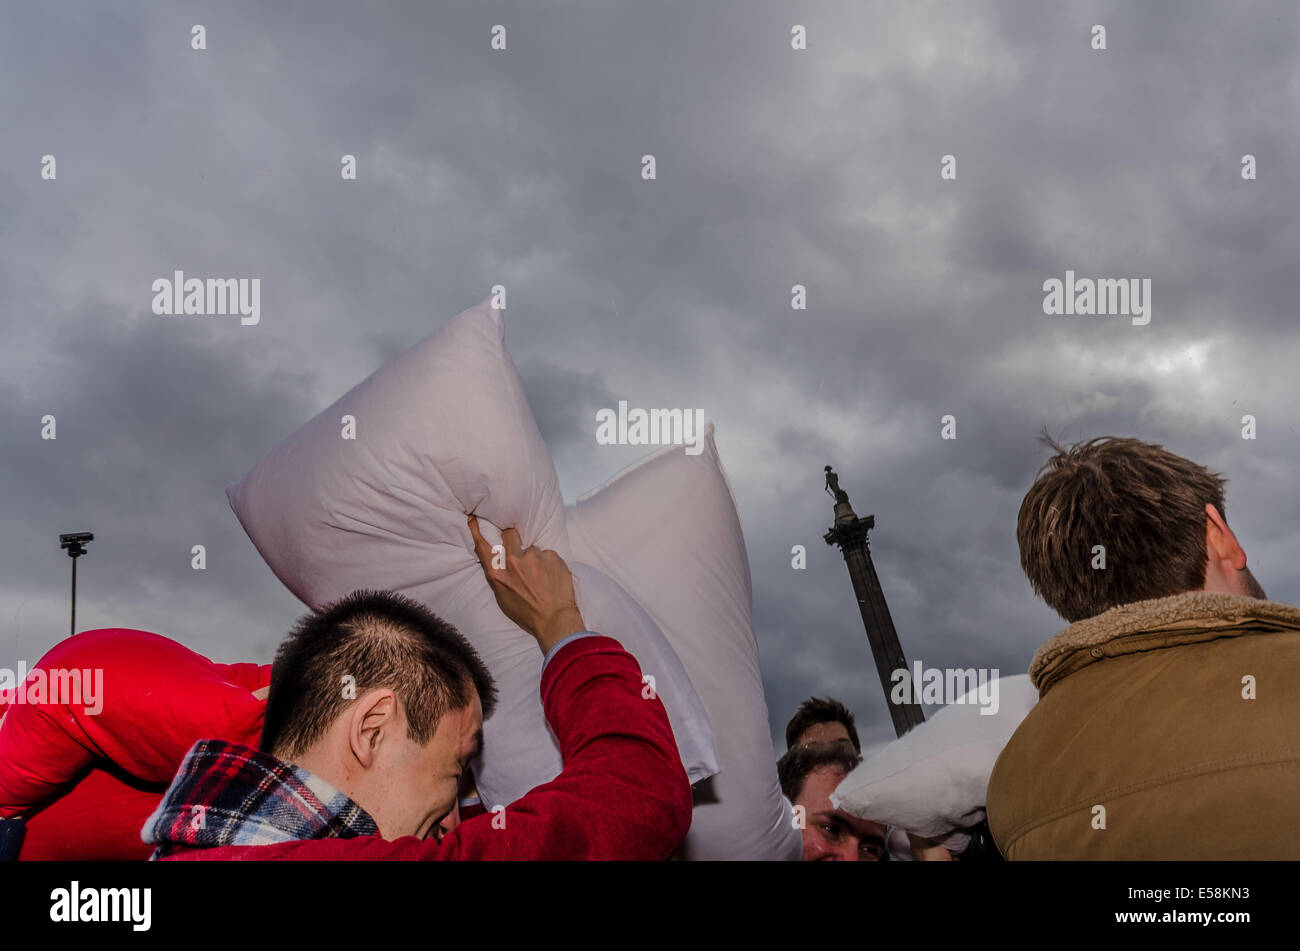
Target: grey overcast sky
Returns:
[775, 167]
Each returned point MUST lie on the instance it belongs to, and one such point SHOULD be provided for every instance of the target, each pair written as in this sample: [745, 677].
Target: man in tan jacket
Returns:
[1168, 725]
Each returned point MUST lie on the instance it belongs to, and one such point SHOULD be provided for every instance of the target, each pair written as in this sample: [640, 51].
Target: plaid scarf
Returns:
[228, 794]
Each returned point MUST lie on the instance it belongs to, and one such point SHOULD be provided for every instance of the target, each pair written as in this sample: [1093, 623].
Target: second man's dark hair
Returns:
[367, 640]
[815, 710]
[793, 767]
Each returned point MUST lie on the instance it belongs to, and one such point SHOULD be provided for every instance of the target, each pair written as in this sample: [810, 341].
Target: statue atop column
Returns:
[833, 486]
[849, 534]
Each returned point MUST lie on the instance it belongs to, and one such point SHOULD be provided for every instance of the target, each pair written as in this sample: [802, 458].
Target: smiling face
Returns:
[831, 835]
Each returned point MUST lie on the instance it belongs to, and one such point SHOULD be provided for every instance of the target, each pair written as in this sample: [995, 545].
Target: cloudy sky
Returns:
[775, 167]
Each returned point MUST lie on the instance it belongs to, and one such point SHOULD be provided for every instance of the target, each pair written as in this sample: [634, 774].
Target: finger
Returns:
[510, 538]
[481, 548]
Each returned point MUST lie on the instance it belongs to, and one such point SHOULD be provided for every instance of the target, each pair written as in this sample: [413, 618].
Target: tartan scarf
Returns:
[229, 794]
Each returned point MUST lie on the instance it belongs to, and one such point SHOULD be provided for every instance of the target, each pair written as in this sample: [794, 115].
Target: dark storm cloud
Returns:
[564, 403]
[150, 430]
[775, 168]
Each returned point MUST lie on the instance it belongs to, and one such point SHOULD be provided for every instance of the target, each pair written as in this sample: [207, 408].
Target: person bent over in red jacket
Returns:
[375, 710]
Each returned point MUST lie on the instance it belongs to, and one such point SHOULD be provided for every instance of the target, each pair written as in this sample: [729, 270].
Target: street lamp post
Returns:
[75, 545]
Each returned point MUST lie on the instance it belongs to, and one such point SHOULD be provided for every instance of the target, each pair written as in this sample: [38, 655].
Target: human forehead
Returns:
[459, 731]
[862, 828]
[472, 727]
[827, 732]
[818, 786]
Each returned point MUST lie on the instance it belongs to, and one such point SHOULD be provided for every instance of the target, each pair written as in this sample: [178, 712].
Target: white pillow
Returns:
[441, 431]
[666, 529]
[933, 780]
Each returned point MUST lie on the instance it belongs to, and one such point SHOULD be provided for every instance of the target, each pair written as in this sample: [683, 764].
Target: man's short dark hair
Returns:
[377, 639]
[813, 711]
[1142, 503]
[794, 767]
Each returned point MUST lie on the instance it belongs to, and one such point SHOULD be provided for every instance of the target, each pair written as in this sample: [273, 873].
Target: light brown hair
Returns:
[1142, 503]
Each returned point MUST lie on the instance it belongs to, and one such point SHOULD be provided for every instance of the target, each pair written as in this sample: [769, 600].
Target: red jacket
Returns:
[86, 779]
[622, 794]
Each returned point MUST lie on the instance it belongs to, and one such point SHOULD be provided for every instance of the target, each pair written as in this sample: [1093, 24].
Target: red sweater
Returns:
[622, 794]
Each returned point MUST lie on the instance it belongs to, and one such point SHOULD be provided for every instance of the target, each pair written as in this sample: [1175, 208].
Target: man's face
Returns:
[423, 781]
[831, 835]
[831, 732]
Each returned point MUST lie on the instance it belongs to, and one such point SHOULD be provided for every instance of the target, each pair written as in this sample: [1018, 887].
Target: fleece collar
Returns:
[1150, 625]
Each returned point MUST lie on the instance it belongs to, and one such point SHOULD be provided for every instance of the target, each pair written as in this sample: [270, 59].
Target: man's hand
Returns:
[534, 589]
[928, 850]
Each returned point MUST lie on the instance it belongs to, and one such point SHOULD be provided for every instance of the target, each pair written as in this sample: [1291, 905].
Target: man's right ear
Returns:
[1220, 544]
[373, 718]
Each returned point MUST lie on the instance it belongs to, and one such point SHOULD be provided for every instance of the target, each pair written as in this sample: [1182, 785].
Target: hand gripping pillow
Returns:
[86, 767]
[666, 530]
[442, 431]
[933, 780]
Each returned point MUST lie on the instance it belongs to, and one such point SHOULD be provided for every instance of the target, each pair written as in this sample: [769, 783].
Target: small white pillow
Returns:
[933, 780]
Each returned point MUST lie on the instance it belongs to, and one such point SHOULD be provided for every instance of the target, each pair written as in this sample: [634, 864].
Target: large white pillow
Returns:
[934, 779]
[666, 529]
[441, 431]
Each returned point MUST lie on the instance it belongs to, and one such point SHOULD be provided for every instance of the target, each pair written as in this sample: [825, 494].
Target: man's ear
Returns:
[374, 718]
[1220, 544]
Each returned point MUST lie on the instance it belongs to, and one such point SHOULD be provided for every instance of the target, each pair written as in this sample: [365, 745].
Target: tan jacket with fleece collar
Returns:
[1165, 729]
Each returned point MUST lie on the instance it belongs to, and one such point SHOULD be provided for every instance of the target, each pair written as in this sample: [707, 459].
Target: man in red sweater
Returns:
[375, 710]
